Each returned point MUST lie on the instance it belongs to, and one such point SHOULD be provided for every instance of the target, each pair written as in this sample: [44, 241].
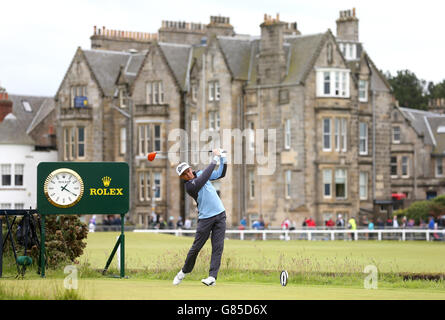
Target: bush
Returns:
[424, 209]
[64, 240]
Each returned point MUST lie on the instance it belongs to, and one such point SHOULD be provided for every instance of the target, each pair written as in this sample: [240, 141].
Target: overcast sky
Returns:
[38, 39]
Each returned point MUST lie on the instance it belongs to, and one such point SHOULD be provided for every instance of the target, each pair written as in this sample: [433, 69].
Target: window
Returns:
[333, 83]
[288, 176]
[19, 206]
[144, 139]
[214, 91]
[194, 92]
[283, 96]
[145, 142]
[157, 136]
[337, 134]
[405, 171]
[327, 83]
[363, 90]
[329, 57]
[26, 106]
[439, 167]
[5, 206]
[73, 142]
[214, 120]
[155, 92]
[396, 134]
[123, 141]
[81, 142]
[157, 181]
[78, 91]
[18, 174]
[340, 184]
[363, 133]
[327, 183]
[122, 99]
[287, 134]
[326, 134]
[363, 185]
[344, 131]
[142, 186]
[393, 166]
[251, 127]
[6, 174]
[251, 184]
[349, 50]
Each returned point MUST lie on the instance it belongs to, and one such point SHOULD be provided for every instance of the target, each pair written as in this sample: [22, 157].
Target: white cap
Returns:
[181, 168]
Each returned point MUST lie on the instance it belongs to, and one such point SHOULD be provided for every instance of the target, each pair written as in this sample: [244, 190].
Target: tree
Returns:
[409, 90]
[436, 91]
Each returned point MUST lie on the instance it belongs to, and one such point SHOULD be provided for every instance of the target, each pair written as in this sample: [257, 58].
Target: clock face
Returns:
[63, 188]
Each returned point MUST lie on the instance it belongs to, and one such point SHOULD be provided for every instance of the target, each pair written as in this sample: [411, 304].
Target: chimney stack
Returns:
[347, 26]
[5, 104]
[272, 65]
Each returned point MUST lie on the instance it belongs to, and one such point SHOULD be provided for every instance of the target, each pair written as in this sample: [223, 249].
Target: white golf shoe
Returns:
[210, 281]
[177, 280]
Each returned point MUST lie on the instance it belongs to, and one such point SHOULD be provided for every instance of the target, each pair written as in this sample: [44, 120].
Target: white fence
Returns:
[390, 234]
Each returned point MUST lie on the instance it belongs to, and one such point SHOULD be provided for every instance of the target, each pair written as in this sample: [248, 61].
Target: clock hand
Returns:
[70, 192]
[64, 188]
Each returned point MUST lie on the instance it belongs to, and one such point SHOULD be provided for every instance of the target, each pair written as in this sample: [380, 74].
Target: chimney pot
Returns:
[353, 12]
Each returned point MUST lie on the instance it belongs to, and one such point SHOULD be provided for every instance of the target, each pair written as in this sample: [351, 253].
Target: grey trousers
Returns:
[216, 225]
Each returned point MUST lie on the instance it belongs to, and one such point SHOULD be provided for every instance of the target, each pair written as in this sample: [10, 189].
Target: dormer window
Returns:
[349, 50]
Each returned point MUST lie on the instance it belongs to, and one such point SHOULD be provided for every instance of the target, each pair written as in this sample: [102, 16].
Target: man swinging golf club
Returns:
[211, 215]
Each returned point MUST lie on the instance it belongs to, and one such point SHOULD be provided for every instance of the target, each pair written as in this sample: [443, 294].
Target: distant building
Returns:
[323, 94]
[27, 137]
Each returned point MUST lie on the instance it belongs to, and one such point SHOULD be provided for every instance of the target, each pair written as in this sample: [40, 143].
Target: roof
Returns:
[425, 123]
[300, 52]
[14, 129]
[11, 132]
[435, 123]
[237, 53]
[105, 66]
[178, 58]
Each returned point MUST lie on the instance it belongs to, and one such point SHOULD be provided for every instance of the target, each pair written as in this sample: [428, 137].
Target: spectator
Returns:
[171, 224]
[243, 222]
[304, 224]
[395, 223]
[330, 223]
[262, 225]
[389, 222]
[352, 224]
[117, 221]
[285, 224]
[188, 223]
[431, 224]
[293, 225]
[179, 223]
[380, 224]
[154, 218]
[371, 225]
[422, 224]
[404, 223]
[311, 223]
[340, 223]
[161, 224]
[411, 223]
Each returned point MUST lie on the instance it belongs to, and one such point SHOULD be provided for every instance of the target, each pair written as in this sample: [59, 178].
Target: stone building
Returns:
[330, 106]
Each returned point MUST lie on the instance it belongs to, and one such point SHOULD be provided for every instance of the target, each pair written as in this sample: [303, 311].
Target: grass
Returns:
[249, 270]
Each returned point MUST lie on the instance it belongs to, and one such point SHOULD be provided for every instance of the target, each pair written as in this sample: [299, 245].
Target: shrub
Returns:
[64, 240]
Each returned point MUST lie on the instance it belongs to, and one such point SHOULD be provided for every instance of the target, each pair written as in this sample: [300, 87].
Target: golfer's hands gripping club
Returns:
[219, 152]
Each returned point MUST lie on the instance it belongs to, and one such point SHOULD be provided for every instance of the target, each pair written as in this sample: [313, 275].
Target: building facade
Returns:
[331, 108]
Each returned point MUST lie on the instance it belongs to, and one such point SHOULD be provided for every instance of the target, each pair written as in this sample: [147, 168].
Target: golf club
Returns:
[152, 155]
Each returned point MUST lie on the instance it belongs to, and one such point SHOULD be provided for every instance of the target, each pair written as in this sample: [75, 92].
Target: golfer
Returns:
[211, 215]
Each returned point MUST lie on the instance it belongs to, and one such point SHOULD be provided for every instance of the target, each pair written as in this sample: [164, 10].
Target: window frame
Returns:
[327, 173]
[363, 90]
[438, 164]
[394, 135]
[22, 174]
[363, 138]
[394, 165]
[287, 184]
[251, 184]
[327, 135]
[337, 197]
[333, 83]
[2, 166]
[287, 134]
[366, 183]
[405, 165]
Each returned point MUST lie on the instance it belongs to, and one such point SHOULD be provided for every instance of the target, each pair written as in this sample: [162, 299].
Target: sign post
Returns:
[81, 188]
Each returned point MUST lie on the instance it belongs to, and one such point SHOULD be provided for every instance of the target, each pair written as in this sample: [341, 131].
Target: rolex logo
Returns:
[106, 180]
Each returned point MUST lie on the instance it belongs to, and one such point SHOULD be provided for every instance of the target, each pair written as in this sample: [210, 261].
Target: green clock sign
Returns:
[83, 188]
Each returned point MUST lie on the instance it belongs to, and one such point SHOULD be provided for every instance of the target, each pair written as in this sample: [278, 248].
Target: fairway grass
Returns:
[129, 289]
[249, 270]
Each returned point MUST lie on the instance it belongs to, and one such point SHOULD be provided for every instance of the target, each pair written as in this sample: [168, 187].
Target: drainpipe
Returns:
[373, 147]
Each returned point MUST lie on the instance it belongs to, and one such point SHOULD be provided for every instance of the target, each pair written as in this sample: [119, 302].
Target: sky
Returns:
[38, 39]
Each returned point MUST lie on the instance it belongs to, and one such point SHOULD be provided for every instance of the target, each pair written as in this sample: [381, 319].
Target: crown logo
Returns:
[106, 181]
